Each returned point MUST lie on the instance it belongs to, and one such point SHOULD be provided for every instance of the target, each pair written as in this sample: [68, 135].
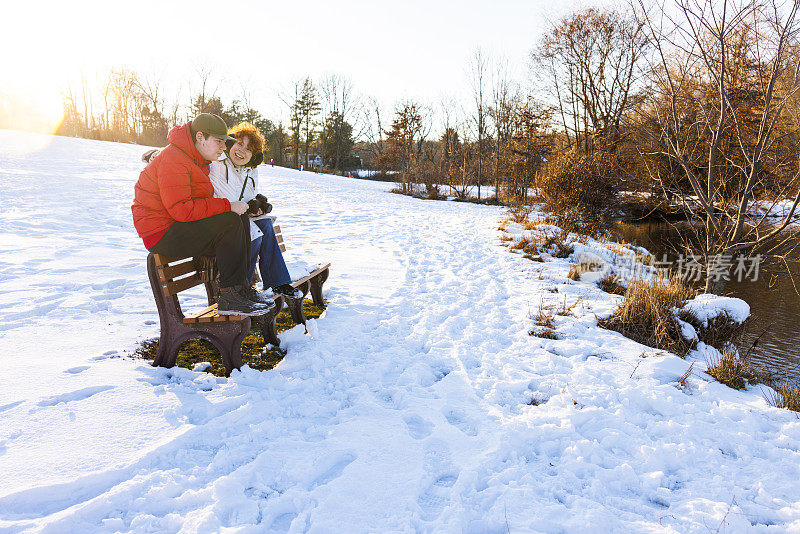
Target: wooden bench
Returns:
[312, 282]
[171, 276]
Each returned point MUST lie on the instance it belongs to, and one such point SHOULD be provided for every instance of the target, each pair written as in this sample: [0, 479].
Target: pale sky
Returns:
[389, 50]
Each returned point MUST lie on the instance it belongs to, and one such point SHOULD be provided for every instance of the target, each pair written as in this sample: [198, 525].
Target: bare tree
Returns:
[291, 100]
[478, 68]
[724, 72]
[588, 62]
[372, 130]
[504, 102]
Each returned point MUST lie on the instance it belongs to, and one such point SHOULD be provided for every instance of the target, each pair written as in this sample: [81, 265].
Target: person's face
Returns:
[240, 153]
[210, 148]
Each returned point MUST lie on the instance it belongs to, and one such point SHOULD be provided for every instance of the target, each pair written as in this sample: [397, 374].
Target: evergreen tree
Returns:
[338, 141]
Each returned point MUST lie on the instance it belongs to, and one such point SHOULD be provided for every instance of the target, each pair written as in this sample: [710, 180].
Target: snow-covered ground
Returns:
[406, 409]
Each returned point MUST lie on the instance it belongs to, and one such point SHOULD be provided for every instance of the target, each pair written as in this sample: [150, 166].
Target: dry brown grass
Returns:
[645, 314]
[620, 249]
[683, 381]
[552, 243]
[519, 213]
[543, 318]
[731, 369]
[544, 325]
[533, 258]
[565, 309]
[575, 272]
[610, 284]
[787, 397]
[556, 244]
[527, 245]
[545, 333]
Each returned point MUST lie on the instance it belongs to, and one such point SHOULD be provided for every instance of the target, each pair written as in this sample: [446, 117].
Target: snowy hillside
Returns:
[406, 409]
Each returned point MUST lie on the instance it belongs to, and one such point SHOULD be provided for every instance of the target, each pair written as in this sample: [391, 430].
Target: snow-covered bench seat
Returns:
[171, 276]
[312, 282]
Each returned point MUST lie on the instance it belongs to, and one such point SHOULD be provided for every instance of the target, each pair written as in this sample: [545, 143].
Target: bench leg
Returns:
[266, 323]
[167, 350]
[296, 309]
[296, 305]
[228, 340]
[169, 341]
[316, 288]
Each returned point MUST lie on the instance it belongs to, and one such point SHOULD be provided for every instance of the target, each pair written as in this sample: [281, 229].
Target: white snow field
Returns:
[407, 408]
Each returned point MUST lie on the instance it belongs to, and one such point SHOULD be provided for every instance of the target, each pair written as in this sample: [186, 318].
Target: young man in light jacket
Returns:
[236, 178]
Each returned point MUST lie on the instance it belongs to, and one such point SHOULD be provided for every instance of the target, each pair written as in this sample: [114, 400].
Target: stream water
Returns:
[774, 332]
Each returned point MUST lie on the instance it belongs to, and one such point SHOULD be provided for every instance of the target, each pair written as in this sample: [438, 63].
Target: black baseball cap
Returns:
[211, 124]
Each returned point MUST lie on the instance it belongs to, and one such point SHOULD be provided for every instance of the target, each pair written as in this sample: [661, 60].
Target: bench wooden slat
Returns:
[211, 310]
[283, 248]
[175, 287]
[277, 229]
[168, 272]
[279, 238]
[209, 315]
[311, 275]
[162, 260]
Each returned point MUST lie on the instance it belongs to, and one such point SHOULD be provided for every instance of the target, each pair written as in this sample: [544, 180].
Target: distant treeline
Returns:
[612, 91]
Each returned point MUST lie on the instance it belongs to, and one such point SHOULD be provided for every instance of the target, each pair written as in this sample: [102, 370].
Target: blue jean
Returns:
[265, 249]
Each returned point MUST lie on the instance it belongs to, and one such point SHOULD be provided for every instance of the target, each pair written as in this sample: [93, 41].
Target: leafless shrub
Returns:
[579, 191]
[718, 332]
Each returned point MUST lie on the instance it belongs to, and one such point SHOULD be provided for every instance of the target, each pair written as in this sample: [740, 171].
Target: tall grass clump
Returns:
[731, 369]
[579, 191]
[787, 397]
[646, 314]
[611, 284]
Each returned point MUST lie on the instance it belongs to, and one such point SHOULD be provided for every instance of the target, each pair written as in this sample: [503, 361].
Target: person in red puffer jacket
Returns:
[175, 212]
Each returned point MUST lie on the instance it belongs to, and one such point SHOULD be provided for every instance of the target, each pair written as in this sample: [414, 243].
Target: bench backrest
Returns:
[279, 237]
[176, 274]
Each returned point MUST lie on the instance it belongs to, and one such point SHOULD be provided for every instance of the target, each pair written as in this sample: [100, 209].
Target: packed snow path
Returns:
[405, 409]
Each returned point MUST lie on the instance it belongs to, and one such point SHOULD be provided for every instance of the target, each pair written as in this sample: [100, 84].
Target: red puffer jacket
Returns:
[174, 187]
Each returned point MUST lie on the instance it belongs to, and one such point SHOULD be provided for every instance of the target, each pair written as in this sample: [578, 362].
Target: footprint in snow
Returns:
[418, 428]
[10, 405]
[76, 370]
[438, 481]
[333, 471]
[458, 419]
[78, 395]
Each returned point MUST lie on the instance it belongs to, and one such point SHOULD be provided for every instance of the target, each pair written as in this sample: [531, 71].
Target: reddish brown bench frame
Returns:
[170, 276]
[310, 283]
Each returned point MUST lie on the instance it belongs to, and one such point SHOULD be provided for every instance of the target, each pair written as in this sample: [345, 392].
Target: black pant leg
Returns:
[224, 234]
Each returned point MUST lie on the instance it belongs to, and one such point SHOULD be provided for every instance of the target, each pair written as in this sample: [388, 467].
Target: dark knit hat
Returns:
[210, 124]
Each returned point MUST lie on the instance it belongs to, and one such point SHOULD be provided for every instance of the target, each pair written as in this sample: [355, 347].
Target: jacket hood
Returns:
[181, 137]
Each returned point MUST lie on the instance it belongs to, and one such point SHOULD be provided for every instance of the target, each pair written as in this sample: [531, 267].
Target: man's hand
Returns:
[239, 207]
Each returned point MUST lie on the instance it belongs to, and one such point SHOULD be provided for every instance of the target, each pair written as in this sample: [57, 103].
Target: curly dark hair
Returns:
[255, 138]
